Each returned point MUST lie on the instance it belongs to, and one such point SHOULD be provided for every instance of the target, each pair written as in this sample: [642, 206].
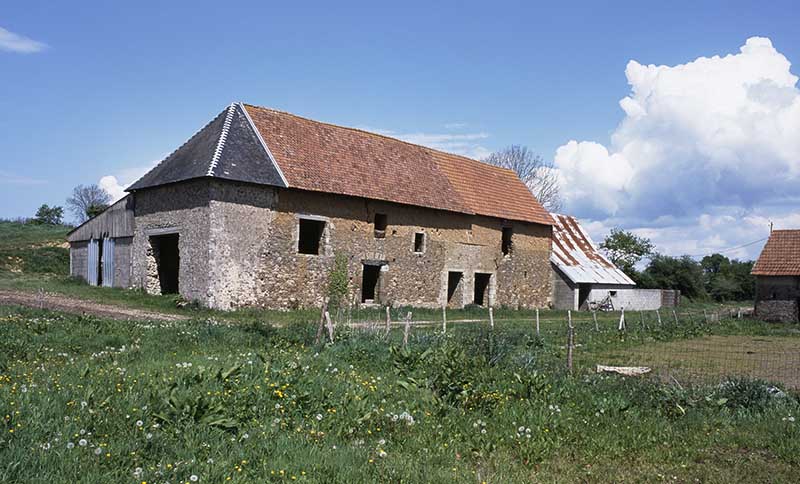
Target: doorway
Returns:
[482, 281]
[168, 263]
[369, 283]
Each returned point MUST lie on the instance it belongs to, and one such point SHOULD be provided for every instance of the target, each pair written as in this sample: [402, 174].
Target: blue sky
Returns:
[107, 88]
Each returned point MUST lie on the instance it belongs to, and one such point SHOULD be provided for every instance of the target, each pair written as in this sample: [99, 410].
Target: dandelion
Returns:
[84, 404]
[82, 442]
[98, 451]
[245, 436]
[139, 423]
[194, 478]
[319, 416]
[70, 445]
[148, 436]
[46, 446]
[382, 453]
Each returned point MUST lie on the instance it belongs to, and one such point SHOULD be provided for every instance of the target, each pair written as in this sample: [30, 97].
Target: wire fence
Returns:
[689, 347]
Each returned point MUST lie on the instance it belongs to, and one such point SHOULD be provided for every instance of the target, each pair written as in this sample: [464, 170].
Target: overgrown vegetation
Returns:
[88, 400]
[33, 248]
[338, 281]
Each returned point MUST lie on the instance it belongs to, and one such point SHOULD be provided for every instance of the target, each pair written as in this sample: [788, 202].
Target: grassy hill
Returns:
[27, 248]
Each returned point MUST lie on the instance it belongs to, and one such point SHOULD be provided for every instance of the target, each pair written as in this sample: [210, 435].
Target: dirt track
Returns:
[69, 304]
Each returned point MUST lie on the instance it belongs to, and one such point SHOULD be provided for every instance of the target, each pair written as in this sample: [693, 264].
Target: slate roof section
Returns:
[264, 146]
[228, 147]
[780, 256]
[334, 159]
[575, 255]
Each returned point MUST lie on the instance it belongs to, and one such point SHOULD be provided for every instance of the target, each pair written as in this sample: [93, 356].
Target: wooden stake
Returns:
[658, 314]
[407, 329]
[641, 319]
[491, 318]
[321, 322]
[537, 322]
[705, 316]
[570, 341]
[330, 325]
[622, 320]
[675, 315]
[594, 316]
[444, 319]
[388, 321]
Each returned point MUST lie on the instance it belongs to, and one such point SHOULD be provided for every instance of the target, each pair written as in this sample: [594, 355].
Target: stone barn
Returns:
[582, 275]
[777, 273]
[255, 207]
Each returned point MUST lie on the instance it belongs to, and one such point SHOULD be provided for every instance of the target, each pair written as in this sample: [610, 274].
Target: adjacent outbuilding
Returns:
[584, 278]
[777, 272]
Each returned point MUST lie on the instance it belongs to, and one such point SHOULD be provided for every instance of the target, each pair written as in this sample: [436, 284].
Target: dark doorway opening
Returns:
[453, 283]
[167, 255]
[481, 288]
[100, 245]
[310, 238]
[583, 294]
[369, 283]
[381, 222]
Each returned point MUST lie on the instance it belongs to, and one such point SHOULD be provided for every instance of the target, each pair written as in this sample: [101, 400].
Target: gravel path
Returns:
[69, 304]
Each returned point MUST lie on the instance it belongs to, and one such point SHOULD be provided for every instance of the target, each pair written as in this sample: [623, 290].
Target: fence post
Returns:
[444, 319]
[622, 320]
[330, 325]
[705, 316]
[537, 322]
[491, 318]
[407, 329]
[659, 317]
[596, 327]
[675, 315]
[570, 341]
[388, 321]
[321, 322]
[641, 319]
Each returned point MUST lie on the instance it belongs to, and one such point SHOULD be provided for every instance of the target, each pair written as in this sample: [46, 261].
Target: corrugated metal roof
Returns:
[576, 256]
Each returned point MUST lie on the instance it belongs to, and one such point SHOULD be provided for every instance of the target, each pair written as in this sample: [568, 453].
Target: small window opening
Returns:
[310, 238]
[612, 293]
[167, 256]
[369, 283]
[481, 288]
[419, 242]
[453, 281]
[381, 222]
[507, 243]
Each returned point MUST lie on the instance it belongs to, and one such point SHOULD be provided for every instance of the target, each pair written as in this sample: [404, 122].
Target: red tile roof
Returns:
[323, 157]
[781, 255]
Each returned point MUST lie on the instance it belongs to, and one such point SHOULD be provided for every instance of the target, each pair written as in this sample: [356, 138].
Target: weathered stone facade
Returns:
[778, 298]
[239, 247]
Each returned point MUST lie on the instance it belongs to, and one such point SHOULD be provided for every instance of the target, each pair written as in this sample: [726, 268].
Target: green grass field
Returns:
[250, 397]
[92, 400]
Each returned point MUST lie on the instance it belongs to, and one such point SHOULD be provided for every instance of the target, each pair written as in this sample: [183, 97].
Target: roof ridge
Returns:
[379, 135]
[223, 136]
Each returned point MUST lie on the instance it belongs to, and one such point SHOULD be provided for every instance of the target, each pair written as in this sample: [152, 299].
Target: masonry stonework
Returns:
[254, 260]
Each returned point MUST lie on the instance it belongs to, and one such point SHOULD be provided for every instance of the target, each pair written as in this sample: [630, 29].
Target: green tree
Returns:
[49, 215]
[682, 273]
[626, 249]
[95, 209]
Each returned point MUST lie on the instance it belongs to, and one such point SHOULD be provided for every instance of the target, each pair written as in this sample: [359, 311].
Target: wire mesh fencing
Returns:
[697, 346]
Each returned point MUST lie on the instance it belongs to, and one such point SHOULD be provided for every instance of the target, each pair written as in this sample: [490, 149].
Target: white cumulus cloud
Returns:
[709, 138]
[12, 42]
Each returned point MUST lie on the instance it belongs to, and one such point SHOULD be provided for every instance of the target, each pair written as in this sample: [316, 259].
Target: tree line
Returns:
[714, 277]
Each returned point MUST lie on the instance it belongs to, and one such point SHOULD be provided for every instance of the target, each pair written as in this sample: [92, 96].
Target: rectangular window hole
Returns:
[419, 242]
[381, 222]
[310, 238]
[507, 242]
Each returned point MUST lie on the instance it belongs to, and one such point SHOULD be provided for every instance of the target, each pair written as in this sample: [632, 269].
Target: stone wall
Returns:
[564, 292]
[777, 298]
[254, 238]
[181, 208]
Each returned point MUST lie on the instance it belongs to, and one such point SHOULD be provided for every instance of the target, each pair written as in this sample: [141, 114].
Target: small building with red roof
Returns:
[777, 273]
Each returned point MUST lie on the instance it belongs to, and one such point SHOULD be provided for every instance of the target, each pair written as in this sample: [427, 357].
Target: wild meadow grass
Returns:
[84, 399]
